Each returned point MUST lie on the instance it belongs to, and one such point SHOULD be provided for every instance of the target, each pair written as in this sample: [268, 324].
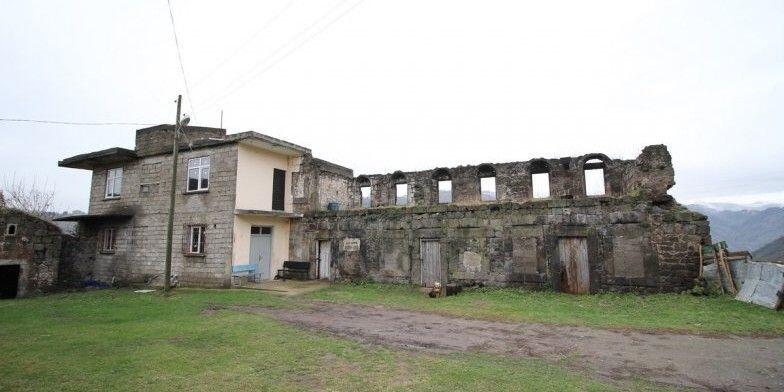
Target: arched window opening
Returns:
[364, 191]
[540, 179]
[487, 187]
[594, 177]
[401, 188]
[444, 185]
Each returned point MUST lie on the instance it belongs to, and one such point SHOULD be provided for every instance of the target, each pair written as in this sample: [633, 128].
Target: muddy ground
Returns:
[716, 363]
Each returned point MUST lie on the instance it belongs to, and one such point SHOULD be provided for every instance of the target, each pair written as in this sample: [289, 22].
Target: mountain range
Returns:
[759, 230]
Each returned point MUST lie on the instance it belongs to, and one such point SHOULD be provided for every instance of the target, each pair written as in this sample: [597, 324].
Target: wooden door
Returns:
[573, 252]
[325, 258]
[431, 262]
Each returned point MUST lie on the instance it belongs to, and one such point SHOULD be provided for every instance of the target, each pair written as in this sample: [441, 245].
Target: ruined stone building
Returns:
[245, 203]
[30, 250]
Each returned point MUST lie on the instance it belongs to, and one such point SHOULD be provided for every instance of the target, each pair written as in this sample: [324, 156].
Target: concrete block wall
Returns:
[158, 139]
[141, 240]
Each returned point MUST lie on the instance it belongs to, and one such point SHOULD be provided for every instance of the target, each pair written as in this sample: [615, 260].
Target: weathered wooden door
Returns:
[431, 262]
[325, 258]
[573, 252]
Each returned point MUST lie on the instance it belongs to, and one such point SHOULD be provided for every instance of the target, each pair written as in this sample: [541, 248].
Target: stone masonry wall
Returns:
[35, 247]
[141, 240]
[632, 246]
[638, 238]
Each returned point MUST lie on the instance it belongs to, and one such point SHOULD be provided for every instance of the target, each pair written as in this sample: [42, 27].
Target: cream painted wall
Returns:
[280, 240]
[254, 177]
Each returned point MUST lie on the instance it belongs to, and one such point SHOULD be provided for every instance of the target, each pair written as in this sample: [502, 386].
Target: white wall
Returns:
[280, 239]
[255, 169]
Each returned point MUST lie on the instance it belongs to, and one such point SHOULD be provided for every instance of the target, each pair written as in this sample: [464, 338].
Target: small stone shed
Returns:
[30, 250]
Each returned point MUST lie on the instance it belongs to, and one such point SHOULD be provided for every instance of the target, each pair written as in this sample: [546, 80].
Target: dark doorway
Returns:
[278, 190]
[9, 281]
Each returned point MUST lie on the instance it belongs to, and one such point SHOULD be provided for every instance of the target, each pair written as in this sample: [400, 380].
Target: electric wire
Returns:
[53, 122]
[179, 57]
[250, 39]
[232, 90]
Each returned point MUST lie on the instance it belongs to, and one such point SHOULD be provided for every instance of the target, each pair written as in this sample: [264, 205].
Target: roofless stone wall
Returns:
[633, 238]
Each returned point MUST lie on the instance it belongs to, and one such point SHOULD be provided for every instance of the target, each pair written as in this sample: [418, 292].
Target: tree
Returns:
[33, 198]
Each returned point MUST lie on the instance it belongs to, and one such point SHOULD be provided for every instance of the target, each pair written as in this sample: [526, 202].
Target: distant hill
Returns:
[773, 251]
[744, 229]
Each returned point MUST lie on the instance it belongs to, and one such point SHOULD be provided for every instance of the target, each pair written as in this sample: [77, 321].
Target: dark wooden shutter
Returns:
[278, 189]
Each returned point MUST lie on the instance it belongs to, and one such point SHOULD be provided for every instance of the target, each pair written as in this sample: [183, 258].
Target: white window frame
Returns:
[200, 239]
[113, 188]
[8, 229]
[198, 164]
[109, 242]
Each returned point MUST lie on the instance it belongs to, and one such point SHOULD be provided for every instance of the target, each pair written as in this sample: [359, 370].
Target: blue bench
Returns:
[249, 270]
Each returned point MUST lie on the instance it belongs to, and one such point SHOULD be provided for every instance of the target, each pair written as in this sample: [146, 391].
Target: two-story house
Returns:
[233, 205]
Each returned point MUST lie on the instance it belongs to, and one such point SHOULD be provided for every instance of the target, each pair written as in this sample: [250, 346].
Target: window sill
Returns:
[107, 252]
[186, 254]
[197, 192]
[111, 198]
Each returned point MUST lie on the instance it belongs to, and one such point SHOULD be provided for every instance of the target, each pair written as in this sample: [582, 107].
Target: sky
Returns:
[380, 86]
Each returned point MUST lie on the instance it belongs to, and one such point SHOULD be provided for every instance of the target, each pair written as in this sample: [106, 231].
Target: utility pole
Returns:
[170, 230]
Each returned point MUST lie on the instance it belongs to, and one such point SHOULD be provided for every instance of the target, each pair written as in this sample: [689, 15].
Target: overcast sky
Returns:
[380, 85]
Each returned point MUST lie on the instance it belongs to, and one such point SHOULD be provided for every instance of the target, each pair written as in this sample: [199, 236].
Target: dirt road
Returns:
[726, 363]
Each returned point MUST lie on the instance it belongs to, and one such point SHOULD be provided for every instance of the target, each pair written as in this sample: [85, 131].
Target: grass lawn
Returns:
[120, 340]
[676, 312]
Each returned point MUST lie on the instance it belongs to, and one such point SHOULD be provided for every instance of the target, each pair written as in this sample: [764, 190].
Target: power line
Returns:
[71, 122]
[274, 62]
[179, 57]
[250, 39]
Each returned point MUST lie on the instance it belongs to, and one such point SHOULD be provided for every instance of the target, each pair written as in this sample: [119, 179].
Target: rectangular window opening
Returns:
[594, 182]
[109, 239]
[114, 183]
[196, 240]
[445, 191]
[401, 194]
[541, 185]
[487, 188]
[365, 192]
[10, 230]
[198, 174]
[266, 230]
